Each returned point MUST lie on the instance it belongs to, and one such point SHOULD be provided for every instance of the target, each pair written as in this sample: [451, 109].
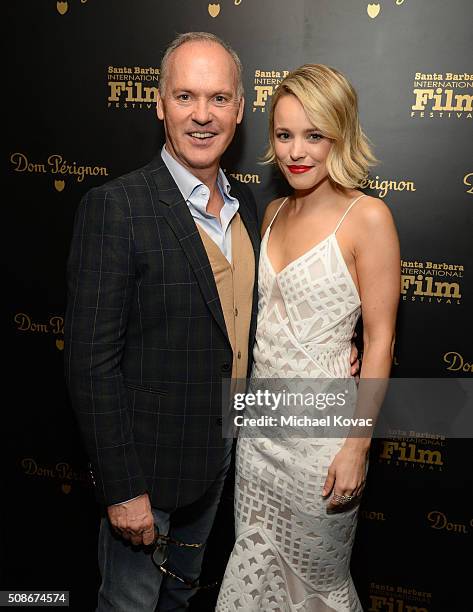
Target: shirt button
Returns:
[236, 312]
[239, 355]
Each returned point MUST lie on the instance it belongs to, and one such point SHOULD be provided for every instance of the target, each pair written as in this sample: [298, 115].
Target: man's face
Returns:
[200, 107]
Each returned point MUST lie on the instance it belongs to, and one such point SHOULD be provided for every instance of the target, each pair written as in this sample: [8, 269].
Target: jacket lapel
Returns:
[249, 220]
[176, 213]
[251, 228]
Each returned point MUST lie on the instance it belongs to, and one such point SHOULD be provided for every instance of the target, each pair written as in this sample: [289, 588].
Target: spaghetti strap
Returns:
[347, 211]
[279, 208]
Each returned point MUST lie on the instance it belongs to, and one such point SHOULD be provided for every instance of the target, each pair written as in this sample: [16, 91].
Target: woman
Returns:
[328, 253]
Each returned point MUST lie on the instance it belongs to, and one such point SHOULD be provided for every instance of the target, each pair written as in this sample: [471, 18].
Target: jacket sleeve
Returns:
[100, 281]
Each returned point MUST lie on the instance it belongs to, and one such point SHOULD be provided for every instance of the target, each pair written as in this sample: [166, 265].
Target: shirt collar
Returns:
[186, 181]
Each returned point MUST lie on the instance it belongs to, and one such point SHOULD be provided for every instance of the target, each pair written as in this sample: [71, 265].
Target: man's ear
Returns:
[240, 109]
[159, 106]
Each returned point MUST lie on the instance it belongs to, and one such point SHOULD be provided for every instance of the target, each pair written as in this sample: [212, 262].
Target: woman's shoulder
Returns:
[274, 205]
[371, 211]
[369, 218]
[270, 211]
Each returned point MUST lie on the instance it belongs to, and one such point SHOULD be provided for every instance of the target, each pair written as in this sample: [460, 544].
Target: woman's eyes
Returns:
[312, 137]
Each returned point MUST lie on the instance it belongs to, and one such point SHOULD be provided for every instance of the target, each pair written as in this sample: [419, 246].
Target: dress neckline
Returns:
[297, 259]
[315, 246]
[307, 253]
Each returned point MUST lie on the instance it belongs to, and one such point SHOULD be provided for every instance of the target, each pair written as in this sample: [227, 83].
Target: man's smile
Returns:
[202, 135]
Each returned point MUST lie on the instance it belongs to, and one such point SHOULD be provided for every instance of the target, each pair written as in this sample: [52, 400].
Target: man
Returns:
[162, 306]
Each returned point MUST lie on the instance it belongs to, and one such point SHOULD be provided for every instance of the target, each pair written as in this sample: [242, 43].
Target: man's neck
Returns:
[207, 176]
[215, 203]
[209, 179]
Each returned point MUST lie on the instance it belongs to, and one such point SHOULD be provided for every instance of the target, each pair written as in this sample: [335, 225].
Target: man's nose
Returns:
[201, 113]
[297, 149]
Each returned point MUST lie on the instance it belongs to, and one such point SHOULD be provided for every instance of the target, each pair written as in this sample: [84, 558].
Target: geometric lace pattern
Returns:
[289, 554]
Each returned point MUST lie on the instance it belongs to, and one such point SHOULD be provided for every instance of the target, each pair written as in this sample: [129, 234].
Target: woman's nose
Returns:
[297, 149]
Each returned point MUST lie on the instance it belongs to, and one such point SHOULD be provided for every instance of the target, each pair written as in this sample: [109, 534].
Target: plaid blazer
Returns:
[146, 343]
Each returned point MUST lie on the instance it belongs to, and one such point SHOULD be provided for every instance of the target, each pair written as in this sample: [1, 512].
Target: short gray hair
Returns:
[181, 39]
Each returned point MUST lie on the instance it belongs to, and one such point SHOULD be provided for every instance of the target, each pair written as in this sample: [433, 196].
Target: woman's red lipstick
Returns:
[299, 169]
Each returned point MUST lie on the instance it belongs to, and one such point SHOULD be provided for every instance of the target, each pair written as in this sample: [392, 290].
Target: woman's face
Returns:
[301, 149]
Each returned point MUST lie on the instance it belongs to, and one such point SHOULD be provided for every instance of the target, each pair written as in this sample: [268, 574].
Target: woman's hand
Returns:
[346, 476]
[355, 363]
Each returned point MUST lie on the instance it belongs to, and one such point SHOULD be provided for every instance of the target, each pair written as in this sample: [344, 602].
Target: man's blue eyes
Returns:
[187, 97]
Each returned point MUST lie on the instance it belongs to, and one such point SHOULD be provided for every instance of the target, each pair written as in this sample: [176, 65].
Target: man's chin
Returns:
[203, 162]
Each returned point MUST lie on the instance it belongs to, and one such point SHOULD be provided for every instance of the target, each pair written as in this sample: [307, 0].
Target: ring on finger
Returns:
[342, 499]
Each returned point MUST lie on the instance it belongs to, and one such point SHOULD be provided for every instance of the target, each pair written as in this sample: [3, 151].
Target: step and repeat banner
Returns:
[79, 109]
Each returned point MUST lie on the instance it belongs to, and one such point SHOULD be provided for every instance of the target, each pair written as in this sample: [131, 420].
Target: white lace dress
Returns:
[290, 554]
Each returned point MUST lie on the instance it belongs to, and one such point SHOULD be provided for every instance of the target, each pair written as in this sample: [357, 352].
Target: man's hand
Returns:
[133, 520]
[355, 363]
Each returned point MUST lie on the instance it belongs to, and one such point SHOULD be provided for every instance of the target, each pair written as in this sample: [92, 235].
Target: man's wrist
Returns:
[126, 501]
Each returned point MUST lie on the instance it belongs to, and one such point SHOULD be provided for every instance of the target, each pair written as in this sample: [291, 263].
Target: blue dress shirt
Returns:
[196, 194]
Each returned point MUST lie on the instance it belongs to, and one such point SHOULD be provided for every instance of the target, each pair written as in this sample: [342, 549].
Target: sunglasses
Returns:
[160, 556]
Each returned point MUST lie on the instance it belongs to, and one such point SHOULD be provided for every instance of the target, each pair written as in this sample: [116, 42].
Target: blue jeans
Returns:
[131, 582]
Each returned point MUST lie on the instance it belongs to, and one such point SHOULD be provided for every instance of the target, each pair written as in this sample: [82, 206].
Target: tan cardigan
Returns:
[235, 289]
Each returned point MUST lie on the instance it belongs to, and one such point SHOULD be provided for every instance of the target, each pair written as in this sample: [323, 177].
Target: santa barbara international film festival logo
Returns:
[265, 84]
[431, 282]
[397, 598]
[132, 87]
[446, 95]
[412, 450]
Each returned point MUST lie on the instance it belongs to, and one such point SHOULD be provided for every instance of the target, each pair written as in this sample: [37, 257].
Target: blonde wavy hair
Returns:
[331, 104]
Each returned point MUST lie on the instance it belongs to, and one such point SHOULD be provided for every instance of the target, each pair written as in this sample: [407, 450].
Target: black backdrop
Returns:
[78, 109]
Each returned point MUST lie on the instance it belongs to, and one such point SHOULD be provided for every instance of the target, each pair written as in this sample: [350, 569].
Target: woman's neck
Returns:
[321, 195]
